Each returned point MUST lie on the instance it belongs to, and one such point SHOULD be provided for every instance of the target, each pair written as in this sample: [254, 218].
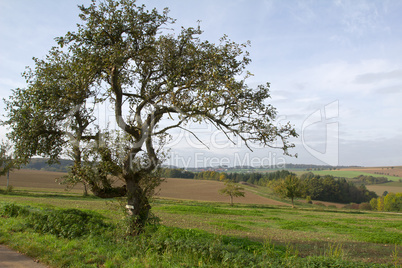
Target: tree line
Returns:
[322, 188]
[389, 202]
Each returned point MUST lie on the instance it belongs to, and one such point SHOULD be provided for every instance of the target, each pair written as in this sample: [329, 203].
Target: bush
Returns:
[365, 206]
[352, 206]
[67, 223]
[13, 210]
[308, 200]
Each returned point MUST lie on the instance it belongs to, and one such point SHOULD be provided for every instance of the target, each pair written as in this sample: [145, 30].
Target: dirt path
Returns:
[12, 259]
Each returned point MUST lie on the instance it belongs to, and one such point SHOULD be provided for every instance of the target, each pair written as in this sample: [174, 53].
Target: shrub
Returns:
[365, 206]
[67, 223]
[308, 200]
[352, 206]
[13, 210]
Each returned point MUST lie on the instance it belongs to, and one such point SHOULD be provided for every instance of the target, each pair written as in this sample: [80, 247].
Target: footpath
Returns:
[12, 259]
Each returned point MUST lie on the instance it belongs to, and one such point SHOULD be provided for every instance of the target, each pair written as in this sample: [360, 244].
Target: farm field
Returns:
[388, 171]
[38, 180]
[351, 173]
[200, 190]
[308, 230]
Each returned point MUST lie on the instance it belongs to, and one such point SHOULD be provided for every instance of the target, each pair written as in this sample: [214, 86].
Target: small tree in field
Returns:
[233, 190]
[290, 187]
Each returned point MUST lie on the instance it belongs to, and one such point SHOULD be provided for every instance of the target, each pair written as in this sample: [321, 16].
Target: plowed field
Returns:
[199, 190]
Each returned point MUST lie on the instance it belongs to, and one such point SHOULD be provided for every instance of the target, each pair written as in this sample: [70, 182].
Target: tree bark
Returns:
[138, 206]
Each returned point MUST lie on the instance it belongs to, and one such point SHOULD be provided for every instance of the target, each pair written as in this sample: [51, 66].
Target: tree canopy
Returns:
[291, 187]
[124, 54]
[232, 190]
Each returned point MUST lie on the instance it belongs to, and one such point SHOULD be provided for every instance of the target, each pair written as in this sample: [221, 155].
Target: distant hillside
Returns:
[41, 164]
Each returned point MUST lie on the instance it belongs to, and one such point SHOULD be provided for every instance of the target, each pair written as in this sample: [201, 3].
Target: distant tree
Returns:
[232, 190]
[291, 187]
[393, 202]
[380, 203]
[6, 160]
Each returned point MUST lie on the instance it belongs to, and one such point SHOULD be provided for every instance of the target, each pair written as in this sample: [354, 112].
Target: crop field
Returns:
[382, 171]
[37, 180]
[196, 207]
[390, 187]
[351, 173]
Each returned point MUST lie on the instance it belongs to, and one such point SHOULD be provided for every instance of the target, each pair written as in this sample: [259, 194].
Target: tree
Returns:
[374, 203]
[6, 161]
[152, 75]
[232, 190]
[291, 187]
[56, 108]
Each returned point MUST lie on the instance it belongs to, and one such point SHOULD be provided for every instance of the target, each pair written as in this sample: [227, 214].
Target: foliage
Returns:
[366, 179]
[232, 190]
[256, 178]
[6, 161]
[291, 187]
[327, 188]
[176, 173]
[126, 54]
[390, 202]
[166, 246]
[67, 223]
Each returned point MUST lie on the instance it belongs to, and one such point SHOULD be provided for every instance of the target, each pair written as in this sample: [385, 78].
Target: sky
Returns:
[334, 67]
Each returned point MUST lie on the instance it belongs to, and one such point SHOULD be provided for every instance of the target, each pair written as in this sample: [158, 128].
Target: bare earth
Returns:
[200, 190]
[203, 190]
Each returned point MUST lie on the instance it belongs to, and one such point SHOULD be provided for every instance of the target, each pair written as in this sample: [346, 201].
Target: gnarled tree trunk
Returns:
[138, 206]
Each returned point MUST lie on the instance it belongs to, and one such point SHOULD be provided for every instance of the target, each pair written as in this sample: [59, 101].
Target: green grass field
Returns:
[347, 174]
[206, 234]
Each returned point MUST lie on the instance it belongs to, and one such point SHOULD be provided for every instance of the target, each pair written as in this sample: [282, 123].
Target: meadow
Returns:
[391, 173]
[200, 233]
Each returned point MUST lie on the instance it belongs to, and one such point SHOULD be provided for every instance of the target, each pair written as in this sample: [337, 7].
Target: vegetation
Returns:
[291, 187]
[389, 202]
[232, 190]
[323, 188]
[197, 234]
[6, 161]
[127, 55]
[350, 174]
[327, 188]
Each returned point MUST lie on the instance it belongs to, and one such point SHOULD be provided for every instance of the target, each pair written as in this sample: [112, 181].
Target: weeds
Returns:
[395, 258]
[335, 251]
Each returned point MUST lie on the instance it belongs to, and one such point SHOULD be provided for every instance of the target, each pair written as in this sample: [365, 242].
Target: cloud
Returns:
[368, 78]
[390, 90]
[358, 17]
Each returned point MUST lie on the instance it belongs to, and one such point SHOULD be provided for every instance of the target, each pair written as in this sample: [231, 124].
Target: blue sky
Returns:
[335, 69]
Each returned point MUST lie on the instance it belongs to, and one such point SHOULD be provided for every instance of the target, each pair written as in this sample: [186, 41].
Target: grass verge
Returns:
[197, 234]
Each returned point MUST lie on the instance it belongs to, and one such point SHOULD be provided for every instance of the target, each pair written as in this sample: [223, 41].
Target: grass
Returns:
[211, 235]
[347, 174]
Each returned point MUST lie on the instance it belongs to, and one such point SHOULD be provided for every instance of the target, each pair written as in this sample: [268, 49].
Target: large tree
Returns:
[151, 74]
